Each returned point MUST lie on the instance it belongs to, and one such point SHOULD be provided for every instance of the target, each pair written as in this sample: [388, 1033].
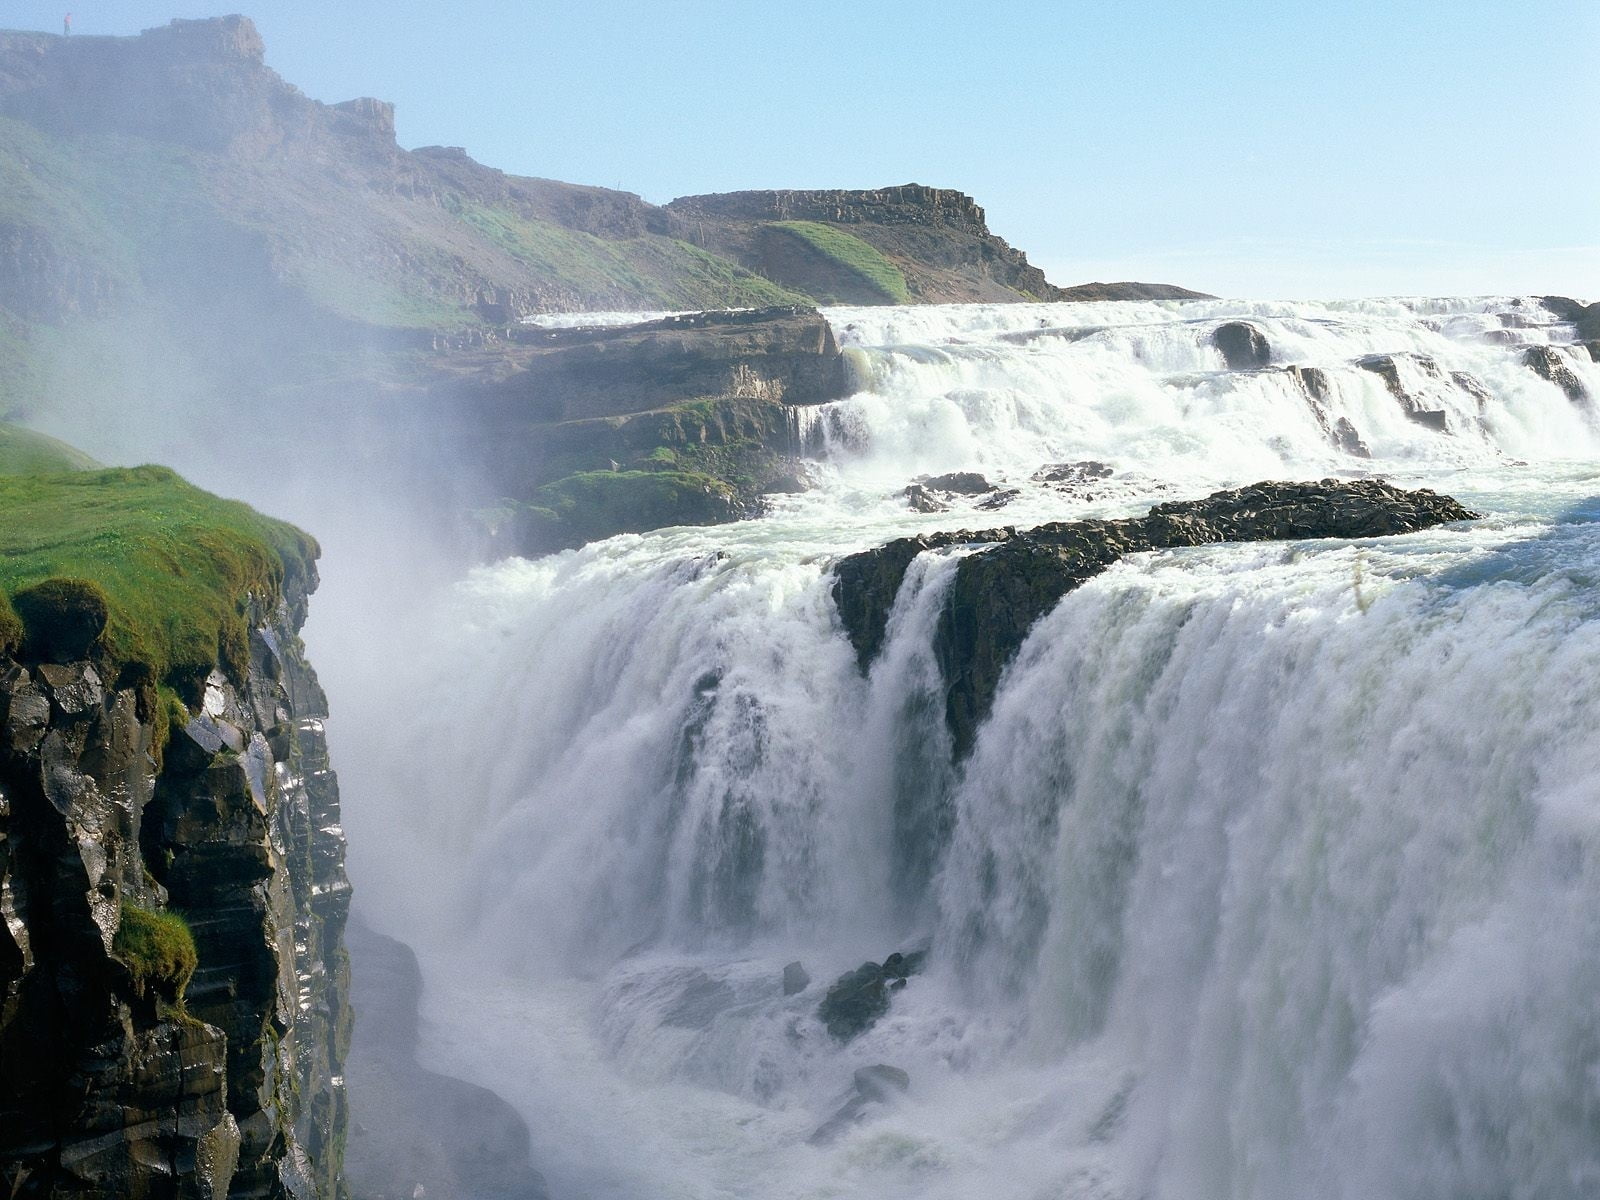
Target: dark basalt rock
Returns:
[958, 483]
[1348, 438]
[795, 979]
[1340, 432]
[859, 998]
[1073, 474]
[1387, 368]
[1585, 317]
[999, 594]
[1243, 346]
[998, 498]
[1549, 363]
[922, 500]
[112, 1088]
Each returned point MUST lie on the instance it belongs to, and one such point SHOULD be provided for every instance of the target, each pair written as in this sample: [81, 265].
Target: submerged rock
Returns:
[795, 979]
[998, 594]
[923, 501]
[879, 1084]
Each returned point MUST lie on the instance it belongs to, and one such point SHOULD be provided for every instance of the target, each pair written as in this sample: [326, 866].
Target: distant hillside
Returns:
[141, 165]
[194, 251]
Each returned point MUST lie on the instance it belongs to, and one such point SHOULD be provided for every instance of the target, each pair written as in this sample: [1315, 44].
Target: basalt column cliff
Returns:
[173, 981]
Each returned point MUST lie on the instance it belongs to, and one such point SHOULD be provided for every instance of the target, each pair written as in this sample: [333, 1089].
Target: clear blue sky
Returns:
[1335, 147]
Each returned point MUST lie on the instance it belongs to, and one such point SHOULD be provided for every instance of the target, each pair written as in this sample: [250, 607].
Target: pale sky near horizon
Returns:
[1340, 148]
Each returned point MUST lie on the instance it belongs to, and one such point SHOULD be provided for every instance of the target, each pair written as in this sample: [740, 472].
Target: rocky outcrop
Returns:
[1387, 368]
[999, 594]
[686, 420]
[557, 375]
[873, 1087]
[938, 240]
[1340, 431]
[1584, 317]
[113, 804]
[1550, 364]
[416, 1132]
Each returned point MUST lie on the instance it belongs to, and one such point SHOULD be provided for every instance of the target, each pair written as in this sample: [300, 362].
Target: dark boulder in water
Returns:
[417, 1132]
[1243, 346]
[859, 998]
[998, 498]
[1072, 474]
[998, 594]
[795, 979]
[922, 500]
[958, 483]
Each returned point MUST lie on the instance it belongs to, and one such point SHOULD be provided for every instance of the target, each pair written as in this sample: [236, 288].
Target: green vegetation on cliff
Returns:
[176, 566]
[592, 505]
[854, 255]
[158, 950]
[658, 272]
[24, 452]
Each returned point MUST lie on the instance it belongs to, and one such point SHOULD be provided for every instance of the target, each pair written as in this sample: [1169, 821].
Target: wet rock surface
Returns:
[999, 594]
[857, 999]
[415, 1132]
[875, 1086]
[1243, 346]
[957, 483]
[1387, 368]
[108, 1088]
[1549, 363]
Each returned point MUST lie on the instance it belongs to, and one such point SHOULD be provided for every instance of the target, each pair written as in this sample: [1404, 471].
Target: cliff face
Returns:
[585, 433]
[113, 807]
[937, 239]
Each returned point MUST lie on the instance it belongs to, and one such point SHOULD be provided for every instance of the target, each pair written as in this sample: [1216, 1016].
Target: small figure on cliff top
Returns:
[66, 25]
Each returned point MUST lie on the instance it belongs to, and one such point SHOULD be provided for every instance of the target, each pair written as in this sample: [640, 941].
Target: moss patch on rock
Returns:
[592, 505]
[175, 566]
[158, 950]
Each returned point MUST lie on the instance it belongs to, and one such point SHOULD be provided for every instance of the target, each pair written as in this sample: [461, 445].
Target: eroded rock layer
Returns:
[998, 594]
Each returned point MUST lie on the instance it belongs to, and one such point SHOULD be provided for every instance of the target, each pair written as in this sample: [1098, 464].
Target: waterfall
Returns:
[1274, 872]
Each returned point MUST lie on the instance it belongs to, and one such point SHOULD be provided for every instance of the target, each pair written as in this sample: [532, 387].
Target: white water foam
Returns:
[1275, 872]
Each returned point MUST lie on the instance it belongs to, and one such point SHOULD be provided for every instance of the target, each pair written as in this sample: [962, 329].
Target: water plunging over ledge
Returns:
[1274, 872]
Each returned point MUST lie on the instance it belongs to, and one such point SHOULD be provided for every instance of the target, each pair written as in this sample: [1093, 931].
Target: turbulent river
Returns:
[1274, 873]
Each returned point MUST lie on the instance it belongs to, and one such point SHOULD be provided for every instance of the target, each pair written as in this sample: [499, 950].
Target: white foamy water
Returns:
[1274, 874]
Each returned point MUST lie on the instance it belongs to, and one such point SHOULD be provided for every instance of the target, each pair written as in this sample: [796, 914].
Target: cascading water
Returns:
[1274, 872]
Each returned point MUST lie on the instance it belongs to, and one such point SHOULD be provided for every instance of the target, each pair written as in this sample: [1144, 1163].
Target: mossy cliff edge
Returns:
[173, 982]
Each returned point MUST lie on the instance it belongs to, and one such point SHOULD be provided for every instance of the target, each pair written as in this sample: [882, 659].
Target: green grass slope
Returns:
[853, 255]
[173, 566]
[24, 452]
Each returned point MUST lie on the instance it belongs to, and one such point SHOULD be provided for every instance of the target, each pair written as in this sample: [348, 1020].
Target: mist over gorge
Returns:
[819, 709]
